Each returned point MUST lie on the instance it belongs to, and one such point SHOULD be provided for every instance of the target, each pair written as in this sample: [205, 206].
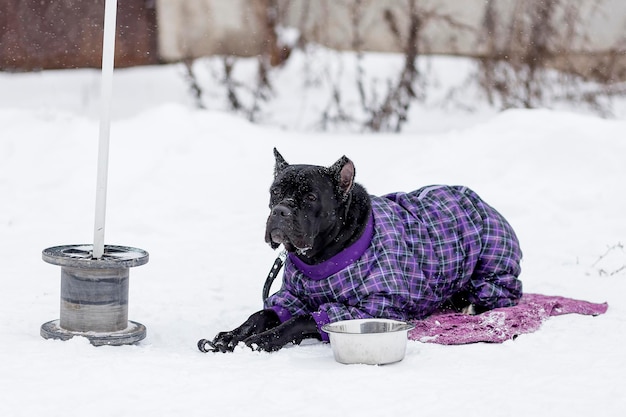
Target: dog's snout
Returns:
[281, 211]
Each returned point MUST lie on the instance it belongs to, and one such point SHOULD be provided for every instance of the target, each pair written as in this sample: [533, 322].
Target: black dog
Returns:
[351, 255]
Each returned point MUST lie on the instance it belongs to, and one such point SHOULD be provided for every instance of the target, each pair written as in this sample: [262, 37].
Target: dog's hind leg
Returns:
[493, 291]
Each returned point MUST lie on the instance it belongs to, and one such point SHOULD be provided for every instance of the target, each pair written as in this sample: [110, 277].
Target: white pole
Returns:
[108, 58]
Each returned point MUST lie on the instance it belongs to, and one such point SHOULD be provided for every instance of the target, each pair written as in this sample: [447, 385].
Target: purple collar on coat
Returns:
[339, 261]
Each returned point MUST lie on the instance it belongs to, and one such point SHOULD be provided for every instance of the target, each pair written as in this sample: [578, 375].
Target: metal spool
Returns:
[94, 294]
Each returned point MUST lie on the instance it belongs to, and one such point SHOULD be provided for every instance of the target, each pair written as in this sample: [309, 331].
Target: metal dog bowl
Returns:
[368, 341]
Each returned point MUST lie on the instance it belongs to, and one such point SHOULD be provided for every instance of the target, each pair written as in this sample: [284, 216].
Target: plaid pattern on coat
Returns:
[426, 246]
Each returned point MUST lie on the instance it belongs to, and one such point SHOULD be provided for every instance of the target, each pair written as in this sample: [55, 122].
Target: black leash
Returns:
[278, 264]
[205, 345]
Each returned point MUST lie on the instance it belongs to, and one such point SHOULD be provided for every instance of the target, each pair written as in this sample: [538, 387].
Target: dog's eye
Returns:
[311, 197]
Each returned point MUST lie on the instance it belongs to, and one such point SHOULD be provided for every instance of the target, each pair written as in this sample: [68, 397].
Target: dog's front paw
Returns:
[269, 341]
[294, 330]
[228, 341]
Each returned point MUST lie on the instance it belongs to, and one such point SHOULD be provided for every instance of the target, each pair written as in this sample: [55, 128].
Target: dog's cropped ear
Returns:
[280, 163]
[343, 172]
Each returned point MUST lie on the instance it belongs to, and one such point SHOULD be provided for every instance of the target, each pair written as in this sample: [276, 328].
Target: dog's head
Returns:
[307, 204]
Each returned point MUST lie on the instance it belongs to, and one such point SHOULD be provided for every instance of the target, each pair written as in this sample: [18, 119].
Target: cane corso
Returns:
[351, 255]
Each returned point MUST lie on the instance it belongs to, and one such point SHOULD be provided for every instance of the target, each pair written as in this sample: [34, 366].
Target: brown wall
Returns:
[51, 34]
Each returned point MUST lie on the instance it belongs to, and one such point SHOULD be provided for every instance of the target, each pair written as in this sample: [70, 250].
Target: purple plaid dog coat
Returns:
[417, 250]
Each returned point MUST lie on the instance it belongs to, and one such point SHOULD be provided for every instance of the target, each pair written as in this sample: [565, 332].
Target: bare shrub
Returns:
[526, 60]
[612, 261]
[194, 85]
[386, 108]
[247, 96]
[524, 50]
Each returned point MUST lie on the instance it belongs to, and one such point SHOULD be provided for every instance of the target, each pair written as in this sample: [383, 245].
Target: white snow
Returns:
[190, 187]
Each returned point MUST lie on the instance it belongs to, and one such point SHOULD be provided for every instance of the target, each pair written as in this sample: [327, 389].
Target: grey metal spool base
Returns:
[94, 294]
[134, 333]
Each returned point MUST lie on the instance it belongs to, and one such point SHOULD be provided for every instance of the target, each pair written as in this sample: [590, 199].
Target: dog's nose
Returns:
[281, 211]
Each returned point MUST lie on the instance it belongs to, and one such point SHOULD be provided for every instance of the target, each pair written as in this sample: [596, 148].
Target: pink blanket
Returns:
[500, 324]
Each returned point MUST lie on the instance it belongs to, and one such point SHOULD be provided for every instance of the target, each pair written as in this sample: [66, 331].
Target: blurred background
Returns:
[514, 45]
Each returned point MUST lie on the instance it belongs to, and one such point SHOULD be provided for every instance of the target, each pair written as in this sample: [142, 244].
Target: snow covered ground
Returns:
[190, 187]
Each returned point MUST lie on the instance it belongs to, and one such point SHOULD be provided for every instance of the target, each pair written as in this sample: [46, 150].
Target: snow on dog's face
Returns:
[306, 203]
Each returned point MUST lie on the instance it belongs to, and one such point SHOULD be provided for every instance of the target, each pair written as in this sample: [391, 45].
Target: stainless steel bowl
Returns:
[368, 341]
